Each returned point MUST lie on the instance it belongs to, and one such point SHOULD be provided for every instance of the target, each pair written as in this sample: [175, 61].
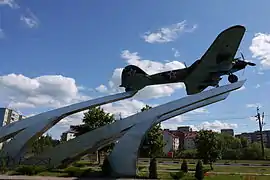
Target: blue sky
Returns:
[84, 41]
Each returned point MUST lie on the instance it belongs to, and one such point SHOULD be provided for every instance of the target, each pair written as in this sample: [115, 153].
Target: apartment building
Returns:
[171, 142]
[67, 135]
[8, 116]
[186, 137]
[189, 141]
[227, 131]
[256, 137]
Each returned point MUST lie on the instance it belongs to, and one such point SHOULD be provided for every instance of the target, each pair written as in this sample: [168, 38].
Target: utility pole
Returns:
[261, 124]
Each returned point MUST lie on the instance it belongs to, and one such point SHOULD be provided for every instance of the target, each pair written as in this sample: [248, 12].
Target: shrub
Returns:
[184, 166]
[79, 164]
[30, 169]
[177, 175]
[187, 154]
[199, 173]
[3, 166]
[153, 169]
[74, 171]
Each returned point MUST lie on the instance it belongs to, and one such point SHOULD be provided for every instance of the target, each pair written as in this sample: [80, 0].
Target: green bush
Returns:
[79, 164]
[74, 171]
[30, 169]
[78, 172]
[177, 175]
[153, 169]
[187, 154]
[199, 173]
[3, 166]
[87, 173]
[184, 166]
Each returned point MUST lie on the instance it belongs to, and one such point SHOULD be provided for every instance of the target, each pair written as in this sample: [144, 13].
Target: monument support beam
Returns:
[126, 156]
[30, 128]
[91, 141]
[123, 158]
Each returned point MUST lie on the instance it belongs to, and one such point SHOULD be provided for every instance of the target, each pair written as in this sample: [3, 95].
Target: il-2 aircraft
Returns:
[219, 60]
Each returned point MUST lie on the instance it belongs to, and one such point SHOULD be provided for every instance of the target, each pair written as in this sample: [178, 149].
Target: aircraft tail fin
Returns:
[133, 78]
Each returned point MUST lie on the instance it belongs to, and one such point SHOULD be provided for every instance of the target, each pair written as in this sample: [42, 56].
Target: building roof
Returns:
[169, 133]
[192, 134]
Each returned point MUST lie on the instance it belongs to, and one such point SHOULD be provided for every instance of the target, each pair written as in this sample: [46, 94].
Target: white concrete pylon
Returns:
[126, 156]
[91, 141]
[26, 130]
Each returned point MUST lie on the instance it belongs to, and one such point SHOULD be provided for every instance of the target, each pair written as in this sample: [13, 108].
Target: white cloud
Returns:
[176, 52]
[124, 108]
[253, 118]
[257, 86]
[29, 19]
[150, 67]
[173, 123]
[168, 34]
[255, 105]
[73, 119]
[49, 91]
[102, 88]
[260, 48]
[217, 125]
[11, 3]
[200, 110]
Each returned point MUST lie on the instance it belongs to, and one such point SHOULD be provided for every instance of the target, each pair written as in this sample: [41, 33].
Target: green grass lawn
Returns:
[166, 175]
[165, 169]
[242, 169]
[236, 177]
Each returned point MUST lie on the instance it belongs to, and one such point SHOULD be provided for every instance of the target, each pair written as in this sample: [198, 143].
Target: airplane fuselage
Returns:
[179, 75]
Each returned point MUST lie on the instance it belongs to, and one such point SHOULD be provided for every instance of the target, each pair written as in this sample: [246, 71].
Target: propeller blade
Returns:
[185, 65]
[242, 56]
[243, 72]
[251, 64]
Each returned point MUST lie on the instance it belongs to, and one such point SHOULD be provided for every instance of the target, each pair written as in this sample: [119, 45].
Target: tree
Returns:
[209, 147]
[230, 146]
[184, 166]
[253, 151]
[95, 118]
[153, 143]
[244, 142]
[153, 169]
[199, 174]
[43, 142]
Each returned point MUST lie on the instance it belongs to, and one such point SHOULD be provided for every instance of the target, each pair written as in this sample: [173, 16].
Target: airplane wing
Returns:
[217, 58]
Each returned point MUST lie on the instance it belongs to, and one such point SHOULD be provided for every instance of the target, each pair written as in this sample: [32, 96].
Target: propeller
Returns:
[185, 65]
[248, 63]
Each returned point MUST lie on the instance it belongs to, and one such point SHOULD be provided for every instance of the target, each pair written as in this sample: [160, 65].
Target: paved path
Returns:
[52, 178]
[36, 177]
